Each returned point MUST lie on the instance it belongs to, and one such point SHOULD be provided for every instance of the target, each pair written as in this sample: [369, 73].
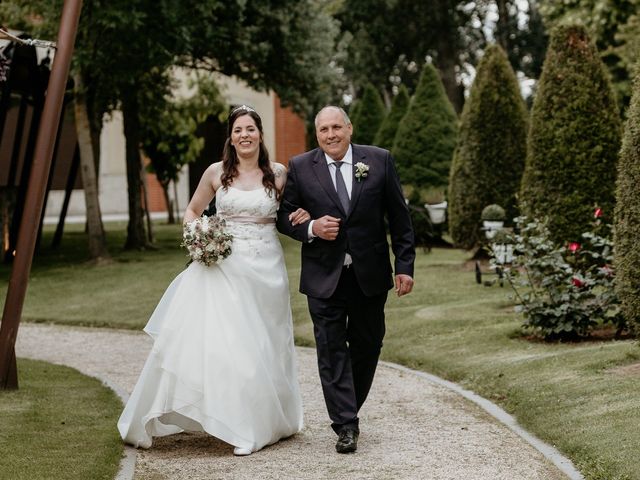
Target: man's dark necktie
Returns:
[341, 188]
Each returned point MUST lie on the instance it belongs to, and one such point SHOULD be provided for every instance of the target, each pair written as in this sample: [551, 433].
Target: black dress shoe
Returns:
[347, 441]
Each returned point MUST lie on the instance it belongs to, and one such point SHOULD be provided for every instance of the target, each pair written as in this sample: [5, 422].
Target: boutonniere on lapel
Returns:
[362, 170]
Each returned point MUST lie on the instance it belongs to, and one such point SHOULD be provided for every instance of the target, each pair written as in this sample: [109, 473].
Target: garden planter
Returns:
[491, 227]
[437, 212]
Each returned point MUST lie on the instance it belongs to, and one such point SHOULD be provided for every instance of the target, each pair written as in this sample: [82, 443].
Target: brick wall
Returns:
[155, 195]
[154, 191]
[290, 133]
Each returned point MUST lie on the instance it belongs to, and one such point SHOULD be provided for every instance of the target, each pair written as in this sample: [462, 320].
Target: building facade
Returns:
[284, 136]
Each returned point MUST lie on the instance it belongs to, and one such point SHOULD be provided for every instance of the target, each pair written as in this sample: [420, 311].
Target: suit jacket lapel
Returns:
[321, 170]
[356, 186]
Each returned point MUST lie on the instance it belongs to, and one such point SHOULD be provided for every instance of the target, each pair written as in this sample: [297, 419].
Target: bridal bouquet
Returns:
[206, 240]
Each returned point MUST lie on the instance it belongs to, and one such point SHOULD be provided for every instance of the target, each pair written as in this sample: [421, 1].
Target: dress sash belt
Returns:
[249, 219]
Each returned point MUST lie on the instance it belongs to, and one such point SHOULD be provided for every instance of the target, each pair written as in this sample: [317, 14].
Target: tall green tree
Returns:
[286, 46]
[354, 111]
[169, 129]
[427, 134]
[627, 215]
[370, 115]
[606, 22]
[387, 131]
[489, 158]
[574, 137]
[520, 31]
[628, 37]
[95, 229]
[388, 42]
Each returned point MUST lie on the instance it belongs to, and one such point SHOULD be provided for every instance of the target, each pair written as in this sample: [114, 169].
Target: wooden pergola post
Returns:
[28, 232]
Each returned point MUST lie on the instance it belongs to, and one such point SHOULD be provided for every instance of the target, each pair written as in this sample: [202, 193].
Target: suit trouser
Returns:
[349, 328]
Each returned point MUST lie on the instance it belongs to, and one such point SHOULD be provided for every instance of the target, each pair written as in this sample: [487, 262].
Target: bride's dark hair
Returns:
[230, 158]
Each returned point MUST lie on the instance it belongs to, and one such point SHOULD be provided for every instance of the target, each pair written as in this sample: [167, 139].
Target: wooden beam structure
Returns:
[38, 179]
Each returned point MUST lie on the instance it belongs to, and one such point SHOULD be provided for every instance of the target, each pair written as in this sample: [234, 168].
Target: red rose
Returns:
[597, 213]
[574, 247]
[577, 282]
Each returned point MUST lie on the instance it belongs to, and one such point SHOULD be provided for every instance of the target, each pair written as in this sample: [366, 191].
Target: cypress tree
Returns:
[354, 111]
[489, 158]
[387, 131]
[427, 134]
[574, 137]
[371, 113]
[627, 215]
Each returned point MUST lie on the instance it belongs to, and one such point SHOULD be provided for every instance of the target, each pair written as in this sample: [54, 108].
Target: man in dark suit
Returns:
[346, 270]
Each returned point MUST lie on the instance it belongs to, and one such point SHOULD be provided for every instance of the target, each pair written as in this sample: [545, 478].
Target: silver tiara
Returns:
[244, 107]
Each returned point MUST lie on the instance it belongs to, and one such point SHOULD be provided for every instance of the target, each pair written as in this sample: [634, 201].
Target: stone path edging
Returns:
[563, 463]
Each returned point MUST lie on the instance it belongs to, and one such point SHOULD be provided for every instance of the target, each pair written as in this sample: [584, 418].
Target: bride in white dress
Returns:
[223, 359]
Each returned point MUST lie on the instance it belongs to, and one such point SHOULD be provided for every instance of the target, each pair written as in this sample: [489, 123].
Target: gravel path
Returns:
[411, 428]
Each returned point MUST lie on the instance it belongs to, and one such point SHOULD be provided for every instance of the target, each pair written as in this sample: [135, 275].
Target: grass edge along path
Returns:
[60, 424]
[575, 397]
[569, 395]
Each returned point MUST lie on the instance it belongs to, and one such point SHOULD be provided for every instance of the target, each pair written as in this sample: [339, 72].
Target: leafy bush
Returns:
[503, 237]
[424, 231]
[493, 212]
[387, 131]
[574, 137]
[564, 291]
[370, 114]
[489, 158]
[627, 215]
[427, 134]
[354, 111]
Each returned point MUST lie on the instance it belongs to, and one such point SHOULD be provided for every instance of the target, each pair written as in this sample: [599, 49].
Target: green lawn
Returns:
[570, 395]
[60, 425]
[63, 288]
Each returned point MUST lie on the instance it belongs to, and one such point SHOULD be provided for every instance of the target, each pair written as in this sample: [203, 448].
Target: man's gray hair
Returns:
[347, 121]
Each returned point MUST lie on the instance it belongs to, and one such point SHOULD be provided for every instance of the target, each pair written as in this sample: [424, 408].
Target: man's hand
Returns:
[299, 216]
[326, 227]
[404, 284]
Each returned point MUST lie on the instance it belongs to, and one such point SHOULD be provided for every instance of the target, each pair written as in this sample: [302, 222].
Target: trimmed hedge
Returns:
[627, 215]
[489, 159]
[371, 113]
[427, 134]
[574, 137]
[354, 111]
[387, 131]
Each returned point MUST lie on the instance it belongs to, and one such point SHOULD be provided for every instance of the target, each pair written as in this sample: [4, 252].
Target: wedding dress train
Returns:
[223, 359]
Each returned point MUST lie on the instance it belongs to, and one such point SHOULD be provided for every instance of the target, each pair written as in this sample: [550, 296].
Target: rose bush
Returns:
[563, 291]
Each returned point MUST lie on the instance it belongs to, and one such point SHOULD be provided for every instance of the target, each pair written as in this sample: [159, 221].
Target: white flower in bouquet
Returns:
[206, 240]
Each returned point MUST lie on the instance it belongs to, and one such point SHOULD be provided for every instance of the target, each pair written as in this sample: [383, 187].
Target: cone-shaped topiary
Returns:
[574, 137]
[427, 134]
[354, 111]
[489, 158]
[627, 215]
[387, 131]
[371, 113]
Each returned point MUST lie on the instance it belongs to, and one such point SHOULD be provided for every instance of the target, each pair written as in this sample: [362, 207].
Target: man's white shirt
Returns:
[347, 175]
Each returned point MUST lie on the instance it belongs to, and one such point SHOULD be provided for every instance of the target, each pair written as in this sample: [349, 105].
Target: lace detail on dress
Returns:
[249, 238]
[253, 203]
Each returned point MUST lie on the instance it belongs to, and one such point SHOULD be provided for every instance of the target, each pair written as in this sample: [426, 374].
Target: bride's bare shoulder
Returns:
[214, 172]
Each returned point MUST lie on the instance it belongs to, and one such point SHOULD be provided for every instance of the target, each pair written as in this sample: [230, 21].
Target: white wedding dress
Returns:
[223, 359]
